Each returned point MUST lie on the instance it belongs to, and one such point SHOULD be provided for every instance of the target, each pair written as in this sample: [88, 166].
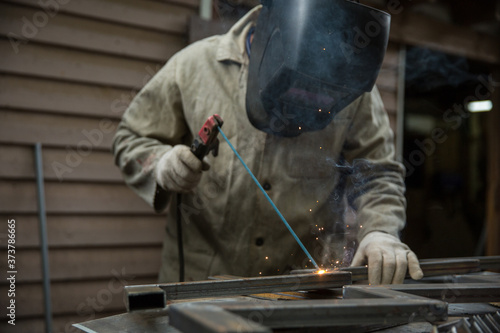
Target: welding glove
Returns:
[387, 258]
[179, 170]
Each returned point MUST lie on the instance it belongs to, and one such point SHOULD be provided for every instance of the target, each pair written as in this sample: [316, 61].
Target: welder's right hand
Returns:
[179, 170]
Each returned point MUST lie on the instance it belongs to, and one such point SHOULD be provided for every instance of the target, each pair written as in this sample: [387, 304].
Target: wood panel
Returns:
[17, 162]
[75, 66]
[69, 231]
[417, 29]
[56, 130]
[90, 35]
[86, 263]
[387, 81]
[78, 69]
[166, 16]
[410, 28]
[390, 101]
[83, 299]
[40, 95]
[18, 197]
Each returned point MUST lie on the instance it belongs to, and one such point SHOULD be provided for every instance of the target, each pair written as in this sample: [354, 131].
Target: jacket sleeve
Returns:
[151, 125]
[376, 185]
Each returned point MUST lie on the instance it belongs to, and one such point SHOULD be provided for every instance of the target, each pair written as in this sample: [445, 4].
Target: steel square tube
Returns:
[431, 267]
[236, 287]
[448, 292]
[326, 313]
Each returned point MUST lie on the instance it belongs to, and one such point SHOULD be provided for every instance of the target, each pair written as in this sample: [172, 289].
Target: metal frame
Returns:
[361, 305]
[447, 292]
[156, 296]
[313, 314]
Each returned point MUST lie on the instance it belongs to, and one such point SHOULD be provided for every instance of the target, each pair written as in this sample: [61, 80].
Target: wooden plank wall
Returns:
[67, 73]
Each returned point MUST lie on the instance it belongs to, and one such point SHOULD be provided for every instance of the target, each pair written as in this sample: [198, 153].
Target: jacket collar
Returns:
[232, 45]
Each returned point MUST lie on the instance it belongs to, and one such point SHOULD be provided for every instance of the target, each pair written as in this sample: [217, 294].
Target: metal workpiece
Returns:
[485, 262]
[447, 292]
[136, 295]
[431, 267]
[473, 278]
[145, 297]
[330, 313]
[207, 318]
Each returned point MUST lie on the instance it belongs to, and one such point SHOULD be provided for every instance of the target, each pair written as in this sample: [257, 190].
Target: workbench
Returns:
[336, 301]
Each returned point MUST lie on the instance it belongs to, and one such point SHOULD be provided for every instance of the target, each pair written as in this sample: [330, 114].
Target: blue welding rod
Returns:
[270, 201]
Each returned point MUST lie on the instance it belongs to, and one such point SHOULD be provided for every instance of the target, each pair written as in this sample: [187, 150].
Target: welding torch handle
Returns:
[199, 150]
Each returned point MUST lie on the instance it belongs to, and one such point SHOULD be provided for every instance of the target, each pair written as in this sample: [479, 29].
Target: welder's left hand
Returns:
[387, 258]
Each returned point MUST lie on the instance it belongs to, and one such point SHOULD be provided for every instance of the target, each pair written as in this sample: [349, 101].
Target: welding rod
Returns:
[270, 201]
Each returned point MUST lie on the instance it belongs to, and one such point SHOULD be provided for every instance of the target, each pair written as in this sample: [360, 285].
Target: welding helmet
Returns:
[309, 59]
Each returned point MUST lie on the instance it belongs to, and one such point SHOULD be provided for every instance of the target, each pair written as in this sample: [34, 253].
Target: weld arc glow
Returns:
[270, 201]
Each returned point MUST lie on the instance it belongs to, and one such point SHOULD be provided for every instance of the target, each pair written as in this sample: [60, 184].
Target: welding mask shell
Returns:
[309, 60]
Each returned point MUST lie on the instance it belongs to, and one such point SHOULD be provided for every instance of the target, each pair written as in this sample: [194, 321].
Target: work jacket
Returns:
[314, 179]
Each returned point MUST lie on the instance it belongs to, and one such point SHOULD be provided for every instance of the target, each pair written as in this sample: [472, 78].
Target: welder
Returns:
[293, 81]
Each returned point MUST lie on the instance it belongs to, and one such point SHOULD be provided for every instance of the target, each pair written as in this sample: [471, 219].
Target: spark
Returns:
[267, 258]
[321, 271]
[319, 110]
[320, 147]
[310, 210]
[300, 127]
[260, 273]
[324, 49]
[361, 226]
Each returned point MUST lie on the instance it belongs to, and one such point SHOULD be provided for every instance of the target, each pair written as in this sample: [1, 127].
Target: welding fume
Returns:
[293, 83]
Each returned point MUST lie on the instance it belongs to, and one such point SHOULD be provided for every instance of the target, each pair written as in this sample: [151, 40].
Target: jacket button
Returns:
[259, 241]
[266, 186]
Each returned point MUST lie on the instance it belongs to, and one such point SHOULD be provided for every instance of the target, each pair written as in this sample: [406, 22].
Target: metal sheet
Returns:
[207, 318]
[151, 321]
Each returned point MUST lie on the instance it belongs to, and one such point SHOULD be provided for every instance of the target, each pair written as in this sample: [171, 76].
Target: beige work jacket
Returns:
[228, 226]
